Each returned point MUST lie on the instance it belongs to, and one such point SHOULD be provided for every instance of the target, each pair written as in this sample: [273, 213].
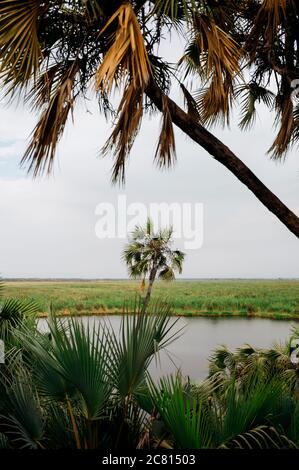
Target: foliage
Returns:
[267, 298]
[52, 51]
[89, 387]
[13, 314]
[150, 254]
[148, 251]
[84, 386]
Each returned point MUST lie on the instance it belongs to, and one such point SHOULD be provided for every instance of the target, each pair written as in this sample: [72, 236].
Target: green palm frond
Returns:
[13, 314]
[23, 419]
[261, 437]
[79, 357]
[141, 337]
[4, 442]
[252, 94]
[187, 420]
[167, 274]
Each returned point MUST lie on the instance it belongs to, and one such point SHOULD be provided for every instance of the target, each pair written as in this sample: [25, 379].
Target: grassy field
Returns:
[260, 298]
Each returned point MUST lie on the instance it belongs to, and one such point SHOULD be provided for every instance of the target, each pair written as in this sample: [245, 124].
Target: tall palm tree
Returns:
[149, 253]
[53, 51]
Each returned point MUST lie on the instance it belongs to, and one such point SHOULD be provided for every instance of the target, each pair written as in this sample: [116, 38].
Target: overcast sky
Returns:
[48, 225]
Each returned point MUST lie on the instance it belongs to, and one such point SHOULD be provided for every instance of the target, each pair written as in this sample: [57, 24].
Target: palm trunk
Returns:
[151, 280]
[224, 155]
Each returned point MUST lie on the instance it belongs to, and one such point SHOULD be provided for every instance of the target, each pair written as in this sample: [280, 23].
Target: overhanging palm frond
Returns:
[191, 103]
[123, 136]
[214, 55]
[286, 123]
[251, 94]
[175, 10]
[127, 53]
[20, 51]
[41, 150]
[165, 155]
[267, 20]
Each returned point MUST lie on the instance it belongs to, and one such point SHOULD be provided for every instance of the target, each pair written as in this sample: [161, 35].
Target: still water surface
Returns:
[190, 352]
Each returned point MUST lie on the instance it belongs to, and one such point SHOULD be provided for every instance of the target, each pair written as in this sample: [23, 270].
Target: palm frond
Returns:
[20, 50]
[186, 419]
[127, 54]
[285, 120]
[252, 93]
[165, 155]
[167, 274]
[190, 103]
[41, 150]
[141, 337]
[215, 56]
[23, 418]
[130, 113]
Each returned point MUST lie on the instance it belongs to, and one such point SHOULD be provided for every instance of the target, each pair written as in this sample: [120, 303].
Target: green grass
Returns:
[258, 298]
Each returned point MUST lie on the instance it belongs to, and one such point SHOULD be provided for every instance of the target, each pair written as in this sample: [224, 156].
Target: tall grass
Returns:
[265, 298]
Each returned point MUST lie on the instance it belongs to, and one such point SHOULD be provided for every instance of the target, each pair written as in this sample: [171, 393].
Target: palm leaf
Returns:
[165, 155]
[41, 150]
[186, 419]
[126, 54]
[23, 418]
[20, 49]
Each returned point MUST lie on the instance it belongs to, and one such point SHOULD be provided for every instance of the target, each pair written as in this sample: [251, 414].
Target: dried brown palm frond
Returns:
[47, 84]
[130, 113]
[222, 52]
[268, 19]
[190, 103]
[127, 56]
[215, 102]
[41, 150]
[20, 50]
[215, 56]
[166, 153]
[285, 118]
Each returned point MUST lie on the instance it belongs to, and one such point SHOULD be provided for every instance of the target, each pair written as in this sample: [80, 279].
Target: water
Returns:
[201, 336]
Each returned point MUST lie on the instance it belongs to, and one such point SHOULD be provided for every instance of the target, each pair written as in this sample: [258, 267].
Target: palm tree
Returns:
[247, 362]
[53, 51]
[150, 254]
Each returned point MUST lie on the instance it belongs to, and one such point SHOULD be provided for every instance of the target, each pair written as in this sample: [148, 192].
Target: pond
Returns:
[190, 352]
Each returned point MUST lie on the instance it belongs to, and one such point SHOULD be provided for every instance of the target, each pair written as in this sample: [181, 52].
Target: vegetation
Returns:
[89, 388]
[53, 51]
[14, 313]
[150, 254]
[264, 298]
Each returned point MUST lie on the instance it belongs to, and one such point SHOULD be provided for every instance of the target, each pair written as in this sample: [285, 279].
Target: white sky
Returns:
[48, 226]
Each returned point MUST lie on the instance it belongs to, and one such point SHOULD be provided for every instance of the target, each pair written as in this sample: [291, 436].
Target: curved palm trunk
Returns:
[151, 280]
[224, 155]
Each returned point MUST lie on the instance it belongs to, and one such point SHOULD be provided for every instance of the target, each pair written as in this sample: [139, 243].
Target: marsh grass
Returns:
[250, 298]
